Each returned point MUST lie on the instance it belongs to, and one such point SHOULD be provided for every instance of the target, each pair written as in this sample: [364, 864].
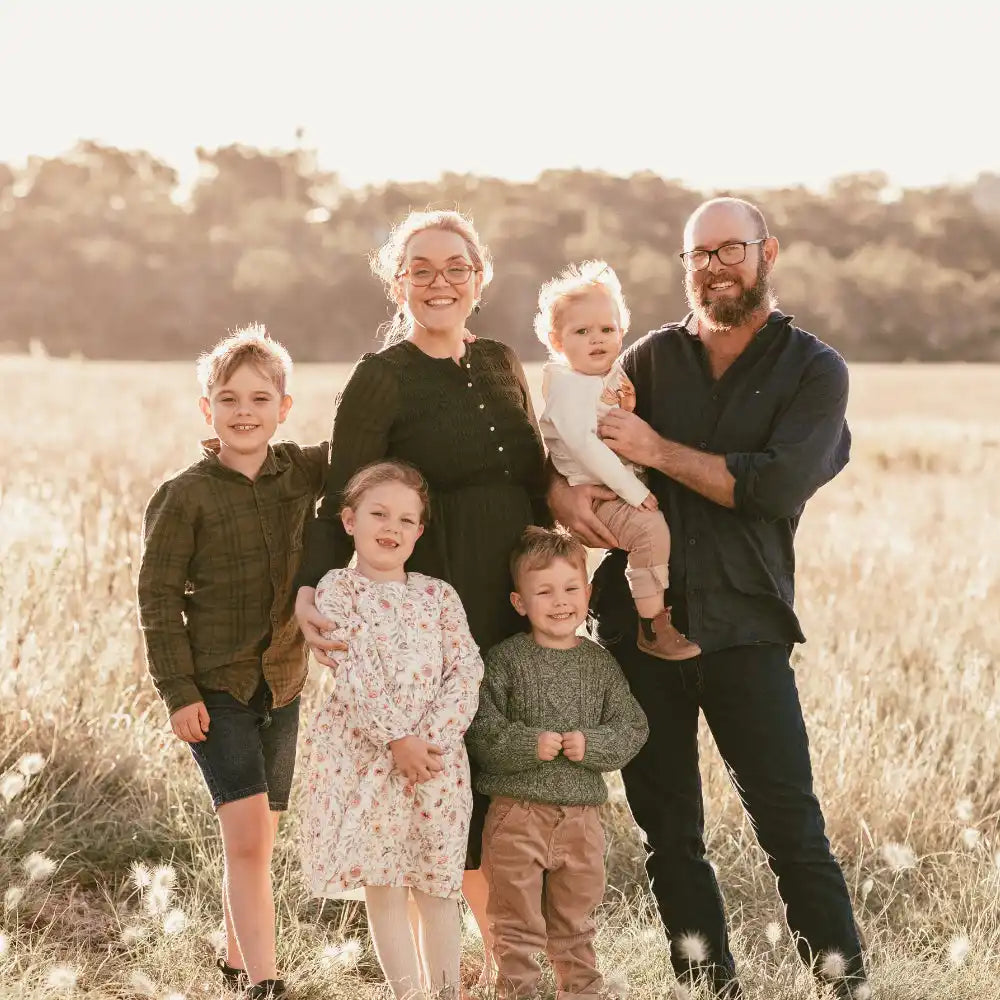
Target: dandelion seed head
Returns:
[217, 939]
[141, 984]
[833, 966]
[38, 867]
[14, 830]
[971, 838]
[773, 932]
[12, 897]
[62, 978]
[163, 877]
[141, 876]
[693, 947]
[30, 764]
[133, 934]
[174, 922]
[157, 900]
[958, 949]
[616, 984]
[963, 810]
[898, 856]
[11, 785]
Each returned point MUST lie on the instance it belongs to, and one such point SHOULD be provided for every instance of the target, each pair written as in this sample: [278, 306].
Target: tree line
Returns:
[104, 256]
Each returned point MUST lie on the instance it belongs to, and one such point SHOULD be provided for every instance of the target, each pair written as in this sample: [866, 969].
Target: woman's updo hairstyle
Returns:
[389, 260]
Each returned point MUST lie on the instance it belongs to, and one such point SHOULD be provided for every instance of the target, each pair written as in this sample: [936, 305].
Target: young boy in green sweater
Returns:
[555, 712]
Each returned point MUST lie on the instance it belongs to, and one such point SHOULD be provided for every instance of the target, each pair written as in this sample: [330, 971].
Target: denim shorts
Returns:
[250, 749]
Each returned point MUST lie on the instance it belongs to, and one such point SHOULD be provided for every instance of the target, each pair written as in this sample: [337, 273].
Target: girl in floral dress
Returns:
[388, 796]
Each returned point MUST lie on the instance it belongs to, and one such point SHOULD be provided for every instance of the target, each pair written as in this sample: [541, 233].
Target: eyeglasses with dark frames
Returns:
[728, 254]
[456, 273]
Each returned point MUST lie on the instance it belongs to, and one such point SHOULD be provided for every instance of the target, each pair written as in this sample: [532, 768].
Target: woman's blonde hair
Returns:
[248, 345]
[387, 262]
[387, 471]
[571, 283]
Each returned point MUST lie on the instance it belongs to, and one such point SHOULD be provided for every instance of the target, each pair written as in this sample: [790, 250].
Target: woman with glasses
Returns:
[458, 409]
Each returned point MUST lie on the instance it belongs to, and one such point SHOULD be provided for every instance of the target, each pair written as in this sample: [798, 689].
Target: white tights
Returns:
[431, 961]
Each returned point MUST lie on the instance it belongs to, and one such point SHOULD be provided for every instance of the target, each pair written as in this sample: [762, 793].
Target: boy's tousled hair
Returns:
[538, 548]
[571, 283]
[248, 345]
[387, 471]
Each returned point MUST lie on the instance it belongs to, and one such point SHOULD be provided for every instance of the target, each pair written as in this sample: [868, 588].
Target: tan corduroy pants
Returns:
[644, 535]
[545, 866]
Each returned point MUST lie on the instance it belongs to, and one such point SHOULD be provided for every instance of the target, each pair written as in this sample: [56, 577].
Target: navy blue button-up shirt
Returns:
[777, 414]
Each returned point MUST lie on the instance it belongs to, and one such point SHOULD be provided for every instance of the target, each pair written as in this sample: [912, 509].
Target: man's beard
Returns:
[724, 313]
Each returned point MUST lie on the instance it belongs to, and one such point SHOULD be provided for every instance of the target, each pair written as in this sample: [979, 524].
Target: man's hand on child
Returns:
[313, 625]
[416, 759]
[573, 508]
[549, 745]
[190, 723]
[650, 503]
[574, 745]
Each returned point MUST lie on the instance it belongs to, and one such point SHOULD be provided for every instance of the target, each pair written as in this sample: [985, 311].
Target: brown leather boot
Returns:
[667, 643]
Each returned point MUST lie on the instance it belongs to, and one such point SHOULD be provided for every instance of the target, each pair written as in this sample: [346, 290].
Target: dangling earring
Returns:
[475, 308]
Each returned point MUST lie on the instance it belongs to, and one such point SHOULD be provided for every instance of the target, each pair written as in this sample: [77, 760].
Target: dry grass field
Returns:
[108, 856]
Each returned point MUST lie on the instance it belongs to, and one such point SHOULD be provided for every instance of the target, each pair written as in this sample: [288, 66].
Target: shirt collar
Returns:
[274, 462]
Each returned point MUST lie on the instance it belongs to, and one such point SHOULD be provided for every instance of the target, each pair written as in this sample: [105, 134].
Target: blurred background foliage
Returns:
[104, 254]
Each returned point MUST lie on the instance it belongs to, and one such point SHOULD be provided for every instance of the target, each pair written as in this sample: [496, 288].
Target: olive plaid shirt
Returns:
[220, 554]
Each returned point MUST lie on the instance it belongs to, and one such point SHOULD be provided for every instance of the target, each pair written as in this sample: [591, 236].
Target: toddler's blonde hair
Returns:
[247, 345]
[571, 283]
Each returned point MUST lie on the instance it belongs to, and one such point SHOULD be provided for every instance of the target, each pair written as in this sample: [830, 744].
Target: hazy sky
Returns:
[717, 94]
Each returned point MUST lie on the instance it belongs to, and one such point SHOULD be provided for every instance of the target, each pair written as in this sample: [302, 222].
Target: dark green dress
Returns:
[470, 429]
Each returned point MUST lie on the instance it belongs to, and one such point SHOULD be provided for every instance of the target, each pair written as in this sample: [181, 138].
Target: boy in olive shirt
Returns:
[555, 711]
[221, 545]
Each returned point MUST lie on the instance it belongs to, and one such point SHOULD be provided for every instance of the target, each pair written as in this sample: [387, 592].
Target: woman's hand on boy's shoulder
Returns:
[190, 723]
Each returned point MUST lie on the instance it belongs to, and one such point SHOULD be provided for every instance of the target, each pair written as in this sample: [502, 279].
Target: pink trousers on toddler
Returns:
[644, 535]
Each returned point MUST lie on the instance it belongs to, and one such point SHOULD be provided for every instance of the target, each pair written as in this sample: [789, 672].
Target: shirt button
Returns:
[482, 406]
[467, 365]
[470, 385]
[692, 541]
[492, 428]
[702, 444]
[500, 448]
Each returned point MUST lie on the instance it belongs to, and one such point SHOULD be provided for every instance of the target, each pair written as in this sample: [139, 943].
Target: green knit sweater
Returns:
[529, 689]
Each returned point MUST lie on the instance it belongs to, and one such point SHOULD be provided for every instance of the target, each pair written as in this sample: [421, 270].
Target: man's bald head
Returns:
[742, 219]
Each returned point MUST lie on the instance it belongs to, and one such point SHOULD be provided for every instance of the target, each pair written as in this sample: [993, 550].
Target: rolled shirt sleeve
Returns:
[809, 445]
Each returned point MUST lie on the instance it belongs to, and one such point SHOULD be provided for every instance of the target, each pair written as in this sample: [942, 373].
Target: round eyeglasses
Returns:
[423, 274]
[728, 254]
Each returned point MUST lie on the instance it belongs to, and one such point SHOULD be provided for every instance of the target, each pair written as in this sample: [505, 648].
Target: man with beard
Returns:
[740, 419]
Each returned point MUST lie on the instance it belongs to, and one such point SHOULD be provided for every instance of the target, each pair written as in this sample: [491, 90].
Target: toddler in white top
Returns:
[582, 319]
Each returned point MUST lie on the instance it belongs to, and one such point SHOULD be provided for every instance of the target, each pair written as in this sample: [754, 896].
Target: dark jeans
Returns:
[751, 704]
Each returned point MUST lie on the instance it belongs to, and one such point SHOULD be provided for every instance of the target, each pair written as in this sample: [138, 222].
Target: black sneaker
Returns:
[269, 989]
[232, 979]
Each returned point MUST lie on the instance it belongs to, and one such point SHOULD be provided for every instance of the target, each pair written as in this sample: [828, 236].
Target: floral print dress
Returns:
[411, 668]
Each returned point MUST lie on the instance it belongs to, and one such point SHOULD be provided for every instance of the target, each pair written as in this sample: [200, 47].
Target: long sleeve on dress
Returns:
[498, 744]
[167, 550]
[622, 731]
[445, 722]
[366, 409]
[360, 671]
[571, 411]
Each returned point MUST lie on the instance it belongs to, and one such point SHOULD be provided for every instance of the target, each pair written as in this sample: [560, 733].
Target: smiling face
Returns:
[441, 306]
[727, 295]
[385, 523]
[555, 599]
[587, 332]
[245, 411]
